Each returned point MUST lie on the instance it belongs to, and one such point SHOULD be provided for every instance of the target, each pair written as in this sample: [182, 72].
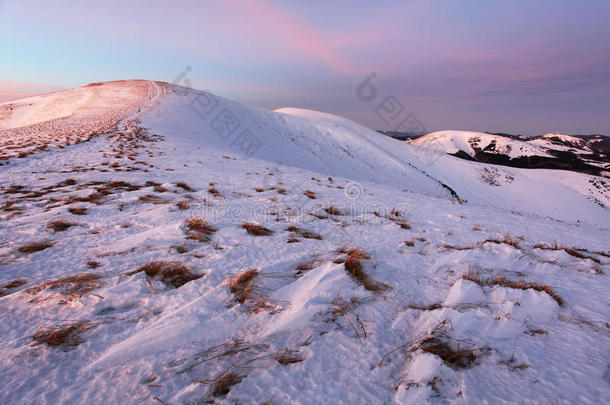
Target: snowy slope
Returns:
[80, 101]
[62, 118]
[500, 299]
[306, 139]
[332, 145]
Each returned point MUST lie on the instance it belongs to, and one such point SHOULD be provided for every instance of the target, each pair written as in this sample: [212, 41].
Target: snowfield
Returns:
[62, 118]
[198, 250]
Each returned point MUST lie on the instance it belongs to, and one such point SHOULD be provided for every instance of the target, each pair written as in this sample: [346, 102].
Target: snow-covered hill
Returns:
[553, 151]
[62, 118]
[172, 246]
[558, 139]
[335, 146]
[472, 142]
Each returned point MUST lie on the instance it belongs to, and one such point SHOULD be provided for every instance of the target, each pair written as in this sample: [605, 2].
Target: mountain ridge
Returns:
[550, 151]
[169, 245]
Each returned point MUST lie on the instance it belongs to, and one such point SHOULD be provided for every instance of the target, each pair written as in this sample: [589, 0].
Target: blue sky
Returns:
[517, 66]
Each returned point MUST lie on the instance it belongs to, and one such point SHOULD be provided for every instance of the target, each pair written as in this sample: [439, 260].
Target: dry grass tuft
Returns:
[340, 307]
[183, 204]
[199, 225]
[575, 253]
[172, 274]
[304, 233]
[246, 291]
[199, 230]
[429, 307]
[184, 186]
[222, 385]
[508, 239]
[353, 266]
[456, 358]
[256, 230]
[286, 356]
[78, 210]
[521, 285]
[59, 225]
[578, 253]
[11, 285]
[68, 334]
[180, 249]
[533, 332]
[358, 253]
[35, 247]
[438, 343]
[319, 216]
[404, 224]
[72, 286]
[332, 210]
[396, 217]
[343, 250]
[448, 246]
[241, 284]
[214, 192]
[199, 237]
[236, 358]
[301, 268]
[310, 194]
[153, 199]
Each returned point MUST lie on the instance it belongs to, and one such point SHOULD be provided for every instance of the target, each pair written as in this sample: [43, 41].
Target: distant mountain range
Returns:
[581, 153]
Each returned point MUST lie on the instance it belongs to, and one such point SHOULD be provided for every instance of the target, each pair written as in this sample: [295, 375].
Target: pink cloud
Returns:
[287, 34]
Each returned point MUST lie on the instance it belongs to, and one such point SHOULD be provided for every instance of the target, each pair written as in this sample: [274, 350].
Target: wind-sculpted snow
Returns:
[310, 260]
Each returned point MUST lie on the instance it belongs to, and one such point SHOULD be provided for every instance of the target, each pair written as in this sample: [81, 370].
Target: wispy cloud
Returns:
[288, 35]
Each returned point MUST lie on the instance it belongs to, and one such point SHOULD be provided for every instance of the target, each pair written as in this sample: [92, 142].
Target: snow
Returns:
[453, 141]
[331, 145]
[565, 138]
[62, 118]
[151, 343]
[464, 292]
